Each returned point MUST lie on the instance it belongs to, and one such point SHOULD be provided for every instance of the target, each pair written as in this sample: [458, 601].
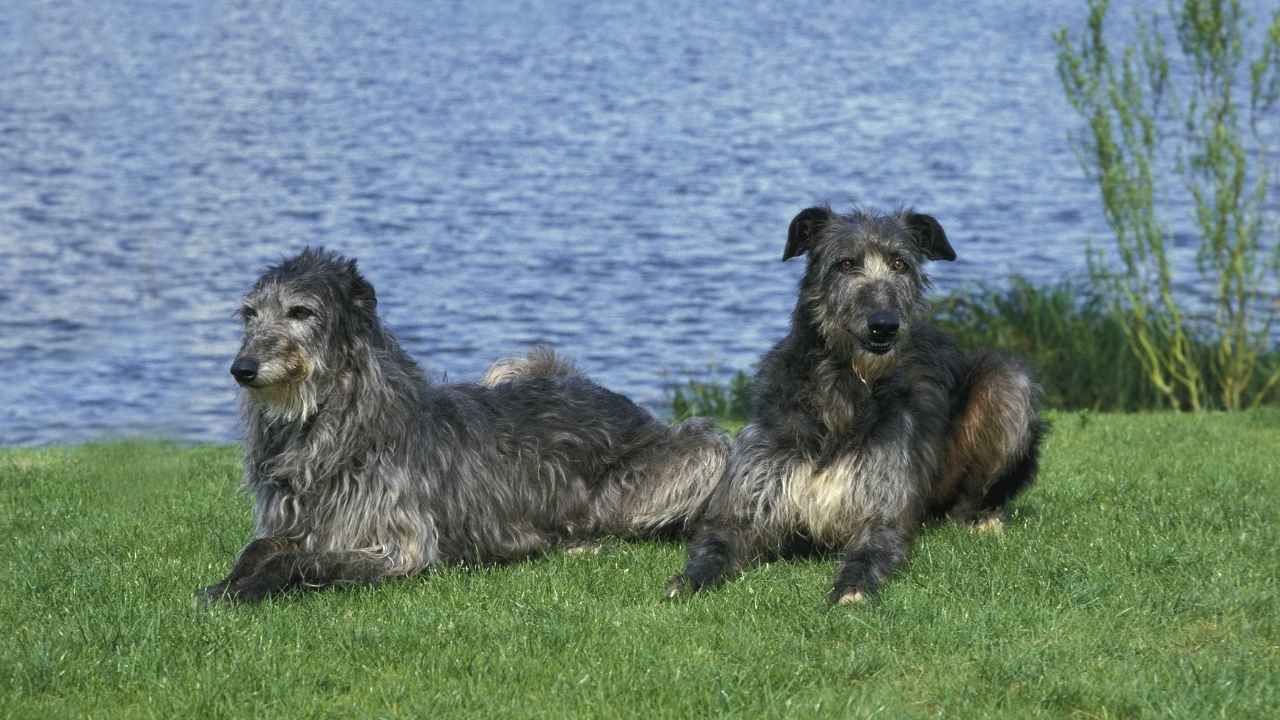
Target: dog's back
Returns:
[585, 447]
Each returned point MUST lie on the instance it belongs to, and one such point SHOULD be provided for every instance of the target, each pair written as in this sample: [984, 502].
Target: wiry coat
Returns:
[866, 420]
[361, 469]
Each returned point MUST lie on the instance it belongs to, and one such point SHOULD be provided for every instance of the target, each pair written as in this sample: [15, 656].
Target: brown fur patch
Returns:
[989, 433]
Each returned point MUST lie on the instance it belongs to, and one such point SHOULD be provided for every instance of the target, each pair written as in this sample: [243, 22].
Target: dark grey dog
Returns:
[865, 419]
[361, 469]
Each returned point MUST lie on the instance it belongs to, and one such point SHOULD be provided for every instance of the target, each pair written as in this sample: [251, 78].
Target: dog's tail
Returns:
[540, 362]
[666, 488]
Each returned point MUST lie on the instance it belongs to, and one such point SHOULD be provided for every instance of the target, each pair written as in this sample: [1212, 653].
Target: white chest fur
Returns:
[830, 502]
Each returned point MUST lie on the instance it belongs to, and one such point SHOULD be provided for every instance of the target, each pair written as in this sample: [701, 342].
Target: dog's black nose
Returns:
[883, 326]
[244, 370]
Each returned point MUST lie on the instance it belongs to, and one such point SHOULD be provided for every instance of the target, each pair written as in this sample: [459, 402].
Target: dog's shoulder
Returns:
[933, 355]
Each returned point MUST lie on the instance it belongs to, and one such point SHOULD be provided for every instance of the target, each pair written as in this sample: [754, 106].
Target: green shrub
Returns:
[1077, 348]
[703, 399]
[1142, 118]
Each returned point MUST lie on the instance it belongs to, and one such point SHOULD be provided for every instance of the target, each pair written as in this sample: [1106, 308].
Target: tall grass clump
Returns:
[1205, 115]
[1079, 350]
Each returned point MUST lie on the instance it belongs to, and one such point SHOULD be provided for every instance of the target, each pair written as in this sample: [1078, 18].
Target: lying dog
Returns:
[360, 469]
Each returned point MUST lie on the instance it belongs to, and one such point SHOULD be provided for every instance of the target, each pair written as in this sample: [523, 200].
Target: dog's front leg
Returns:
[299, 569]
[869, 559]
[250, 559]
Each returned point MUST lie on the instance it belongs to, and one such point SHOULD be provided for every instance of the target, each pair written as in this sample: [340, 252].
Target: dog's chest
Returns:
[828, 502]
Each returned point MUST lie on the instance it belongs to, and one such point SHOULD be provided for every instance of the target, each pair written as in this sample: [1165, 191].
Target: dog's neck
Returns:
[857, 371]
[823, 384]
[292, 449]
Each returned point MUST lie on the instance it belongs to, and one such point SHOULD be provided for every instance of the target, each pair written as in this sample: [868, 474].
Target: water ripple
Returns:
[614, 178]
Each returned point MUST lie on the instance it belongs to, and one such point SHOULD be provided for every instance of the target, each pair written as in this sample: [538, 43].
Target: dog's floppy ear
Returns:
[361, 291]
[929, 236]
[804, 228]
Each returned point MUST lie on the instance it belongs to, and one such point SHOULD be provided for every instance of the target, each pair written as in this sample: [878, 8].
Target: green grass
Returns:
[1138, 579]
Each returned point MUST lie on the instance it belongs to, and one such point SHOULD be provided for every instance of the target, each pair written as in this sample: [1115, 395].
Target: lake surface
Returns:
[615, 179]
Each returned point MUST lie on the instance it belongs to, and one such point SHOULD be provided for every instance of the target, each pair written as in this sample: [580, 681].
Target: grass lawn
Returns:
[1139, 578]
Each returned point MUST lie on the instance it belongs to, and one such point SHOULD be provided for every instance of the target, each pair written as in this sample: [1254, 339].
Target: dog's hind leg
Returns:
[869, 559]
[671, 481]
[1020, 474]
[301, 569]
[993, 448]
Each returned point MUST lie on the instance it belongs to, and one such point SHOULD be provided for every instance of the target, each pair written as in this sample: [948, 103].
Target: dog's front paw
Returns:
[992, 524]
[254, 589]
[211, 595]
[679, 586]
[585, 548]
[846, 596]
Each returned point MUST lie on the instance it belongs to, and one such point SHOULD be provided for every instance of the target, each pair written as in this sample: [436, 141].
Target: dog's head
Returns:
[300, 321]
[865, 281]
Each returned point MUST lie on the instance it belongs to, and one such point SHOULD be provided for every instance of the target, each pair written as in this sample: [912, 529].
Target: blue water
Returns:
[612, 178]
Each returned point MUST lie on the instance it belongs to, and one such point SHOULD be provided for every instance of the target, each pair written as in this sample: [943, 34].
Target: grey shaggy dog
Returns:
[866, 420]
[360, 469]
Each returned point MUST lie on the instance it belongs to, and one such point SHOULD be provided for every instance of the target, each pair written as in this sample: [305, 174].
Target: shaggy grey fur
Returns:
[360, 469]
[866, 420]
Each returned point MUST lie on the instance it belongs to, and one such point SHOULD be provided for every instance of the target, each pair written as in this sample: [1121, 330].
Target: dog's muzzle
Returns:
[882, 331]
[244, 370]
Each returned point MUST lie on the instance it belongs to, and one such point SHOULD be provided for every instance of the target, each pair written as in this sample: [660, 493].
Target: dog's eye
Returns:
[248, 313]
[298, 312]
[898, 265]
[847, 266]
